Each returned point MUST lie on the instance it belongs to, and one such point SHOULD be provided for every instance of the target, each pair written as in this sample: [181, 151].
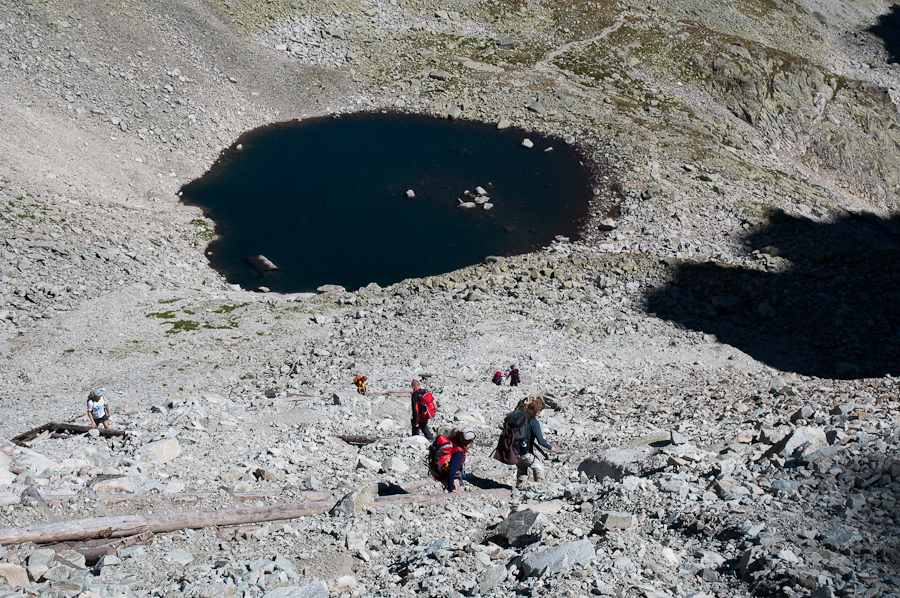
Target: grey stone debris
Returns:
[618, 463]
[558, 558]
[607, 521]
[355, 503]
[523, 527]
[315, 589]
[493, 576]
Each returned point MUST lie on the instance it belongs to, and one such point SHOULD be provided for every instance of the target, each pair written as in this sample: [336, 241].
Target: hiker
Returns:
[528, 431]
[360, 383]
[447, 455]
[498, 377]
[98, 409]
[423, 409]
[513, 376]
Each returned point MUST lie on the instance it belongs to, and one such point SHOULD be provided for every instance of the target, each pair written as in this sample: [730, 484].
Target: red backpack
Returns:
[498, 378]
[425, 406]
[440, 453]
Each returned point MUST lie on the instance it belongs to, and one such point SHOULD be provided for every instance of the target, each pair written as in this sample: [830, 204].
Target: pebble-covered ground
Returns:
[719, 350]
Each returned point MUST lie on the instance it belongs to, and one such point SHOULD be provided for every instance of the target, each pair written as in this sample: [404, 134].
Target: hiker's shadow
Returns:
[825, 303]
[484, 483]
[888, 29]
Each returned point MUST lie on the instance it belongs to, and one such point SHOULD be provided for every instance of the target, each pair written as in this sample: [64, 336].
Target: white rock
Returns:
[395, 464]
[527, 143]
[410, 193]
[161, 451]
[366, 463]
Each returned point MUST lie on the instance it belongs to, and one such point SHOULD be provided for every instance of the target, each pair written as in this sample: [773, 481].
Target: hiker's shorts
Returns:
[529, 462]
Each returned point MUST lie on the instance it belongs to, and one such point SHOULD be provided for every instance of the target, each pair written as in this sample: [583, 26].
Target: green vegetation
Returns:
[227, 309]
[203, 232]
[164, 315]
[182, 325]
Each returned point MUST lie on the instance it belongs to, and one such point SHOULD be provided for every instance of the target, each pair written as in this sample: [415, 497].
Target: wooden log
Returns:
[62, 429]
[358, 440]
[116, 527]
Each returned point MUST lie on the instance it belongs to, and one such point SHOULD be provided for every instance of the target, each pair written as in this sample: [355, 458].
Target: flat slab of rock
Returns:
[161, 451]
[316, 589]
[15, 575]
[558, 558]
[607, 521]
[548, 508]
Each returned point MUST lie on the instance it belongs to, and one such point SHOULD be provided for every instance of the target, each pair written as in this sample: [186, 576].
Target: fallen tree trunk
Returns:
[62, 430]
[117, 527]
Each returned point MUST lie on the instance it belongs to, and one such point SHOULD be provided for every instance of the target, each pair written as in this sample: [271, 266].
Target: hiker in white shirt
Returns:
[98, 410]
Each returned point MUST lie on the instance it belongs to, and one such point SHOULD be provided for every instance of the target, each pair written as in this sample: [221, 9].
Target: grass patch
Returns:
[229, 325]
[162, 315]
[182, 325]
[227, 309]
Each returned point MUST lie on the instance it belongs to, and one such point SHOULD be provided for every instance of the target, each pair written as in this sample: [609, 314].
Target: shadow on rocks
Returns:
[888, 29]
[824, 302]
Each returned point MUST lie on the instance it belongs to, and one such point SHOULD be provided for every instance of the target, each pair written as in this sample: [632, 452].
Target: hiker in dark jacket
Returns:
[528, 461]
[419, 416]
[513, 376]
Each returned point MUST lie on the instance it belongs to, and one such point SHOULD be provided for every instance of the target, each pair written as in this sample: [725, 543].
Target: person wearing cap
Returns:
[98, 409]
[452, 455]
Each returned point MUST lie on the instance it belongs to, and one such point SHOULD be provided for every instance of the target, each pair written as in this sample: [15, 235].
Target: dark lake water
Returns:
[326, 201]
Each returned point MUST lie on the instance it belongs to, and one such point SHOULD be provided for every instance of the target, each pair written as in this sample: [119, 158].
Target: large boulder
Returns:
[802, 437]
[558, 558]
[620, 462]
[523, 527]
[161, 451]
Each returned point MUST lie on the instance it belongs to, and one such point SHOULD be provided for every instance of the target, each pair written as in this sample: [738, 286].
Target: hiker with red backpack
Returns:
[423, 409]
[447, 455]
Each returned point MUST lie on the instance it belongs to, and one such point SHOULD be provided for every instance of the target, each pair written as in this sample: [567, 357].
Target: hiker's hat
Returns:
[468, 433]
[98, 393]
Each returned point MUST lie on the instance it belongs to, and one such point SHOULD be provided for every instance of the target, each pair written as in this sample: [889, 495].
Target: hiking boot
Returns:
[537, 480]
[519, 483]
